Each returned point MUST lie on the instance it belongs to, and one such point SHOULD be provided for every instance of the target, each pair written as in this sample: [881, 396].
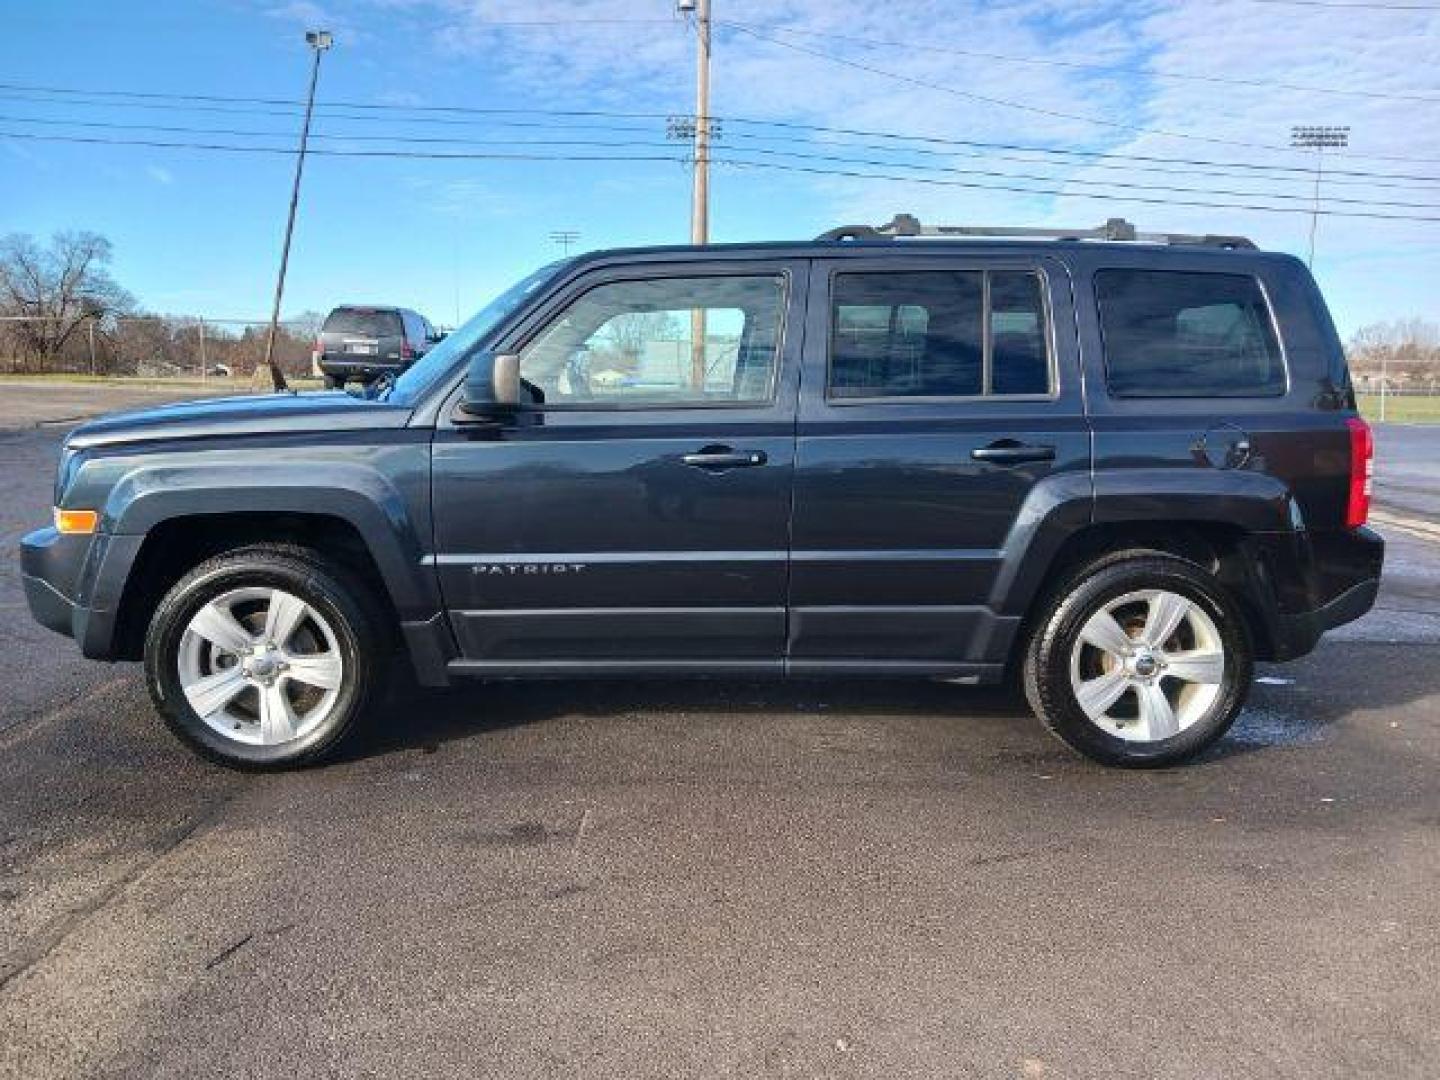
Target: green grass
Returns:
[1401, 410]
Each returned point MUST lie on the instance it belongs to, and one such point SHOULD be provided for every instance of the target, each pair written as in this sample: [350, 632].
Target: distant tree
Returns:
[1407, 351]
[620, 344]
[59, 288]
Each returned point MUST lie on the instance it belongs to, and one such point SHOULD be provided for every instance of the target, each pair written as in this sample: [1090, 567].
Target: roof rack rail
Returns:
[908, 225]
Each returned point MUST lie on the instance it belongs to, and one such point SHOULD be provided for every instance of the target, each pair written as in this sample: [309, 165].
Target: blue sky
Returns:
[199, 232]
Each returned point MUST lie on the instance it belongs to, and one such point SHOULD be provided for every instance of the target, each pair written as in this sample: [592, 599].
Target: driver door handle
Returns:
[722, 457]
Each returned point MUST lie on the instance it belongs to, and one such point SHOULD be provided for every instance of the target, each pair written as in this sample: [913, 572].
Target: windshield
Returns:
[443, 356]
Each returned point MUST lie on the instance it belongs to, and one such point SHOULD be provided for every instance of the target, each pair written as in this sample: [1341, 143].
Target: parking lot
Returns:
[671, 879]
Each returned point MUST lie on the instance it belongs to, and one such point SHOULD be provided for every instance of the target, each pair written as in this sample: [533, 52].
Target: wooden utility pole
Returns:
[700, 197]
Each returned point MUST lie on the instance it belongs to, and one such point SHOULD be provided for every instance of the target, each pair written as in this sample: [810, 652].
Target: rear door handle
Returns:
[722, 457]
[1009, 452]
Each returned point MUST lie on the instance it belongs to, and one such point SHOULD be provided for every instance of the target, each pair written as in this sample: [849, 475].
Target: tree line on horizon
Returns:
[61, 311]
[64, 312]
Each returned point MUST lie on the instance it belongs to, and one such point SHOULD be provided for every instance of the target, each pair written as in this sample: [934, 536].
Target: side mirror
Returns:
[492, 385]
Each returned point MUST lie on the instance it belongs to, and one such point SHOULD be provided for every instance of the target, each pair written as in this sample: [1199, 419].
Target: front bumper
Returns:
[73, 584]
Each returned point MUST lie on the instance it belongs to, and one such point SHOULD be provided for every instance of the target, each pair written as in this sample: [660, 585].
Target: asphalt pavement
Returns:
[668, 879]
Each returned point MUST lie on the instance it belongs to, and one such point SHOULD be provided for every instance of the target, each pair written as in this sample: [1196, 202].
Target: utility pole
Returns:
[319, 41]
[700, 195]
[1317, 138]
[565, 237]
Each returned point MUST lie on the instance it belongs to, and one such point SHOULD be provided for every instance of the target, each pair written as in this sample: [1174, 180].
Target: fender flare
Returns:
[354, 493]
[1060, 507]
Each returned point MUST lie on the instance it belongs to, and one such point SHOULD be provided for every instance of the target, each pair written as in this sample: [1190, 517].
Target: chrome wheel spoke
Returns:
[277, 718]
[1172, 690]
[1098, 694]
[283, 616]
[1107, 635]
[209, 695]
[260, 666]
[1199, 666]
[216, 625]
[323, 670]
[1155, 712]
[1167, 611]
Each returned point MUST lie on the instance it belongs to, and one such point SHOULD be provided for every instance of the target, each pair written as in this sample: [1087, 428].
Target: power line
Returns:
[1353, 5]
[798, 155]
[738, 162]
[1003, 102]
[163, 100]
[1117, 69]
[742, 136]
[985, 99]
[507, 118]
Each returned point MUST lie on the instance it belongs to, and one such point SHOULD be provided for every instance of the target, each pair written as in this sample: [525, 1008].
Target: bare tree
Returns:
[1407, 351]
[621, 342]
[58, 288]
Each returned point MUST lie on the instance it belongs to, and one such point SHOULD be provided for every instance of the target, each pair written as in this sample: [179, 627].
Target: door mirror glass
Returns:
[492, 384]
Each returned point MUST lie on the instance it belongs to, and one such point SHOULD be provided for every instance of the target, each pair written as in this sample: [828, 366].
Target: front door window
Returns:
[682, 341]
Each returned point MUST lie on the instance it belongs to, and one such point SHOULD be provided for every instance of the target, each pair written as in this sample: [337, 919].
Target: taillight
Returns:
[407, 351]
[1362, 472]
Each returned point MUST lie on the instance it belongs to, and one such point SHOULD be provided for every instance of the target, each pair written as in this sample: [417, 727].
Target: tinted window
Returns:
[1187, 335]
[364, 322]
[924, 334]
[680, 341]
[1020, 361]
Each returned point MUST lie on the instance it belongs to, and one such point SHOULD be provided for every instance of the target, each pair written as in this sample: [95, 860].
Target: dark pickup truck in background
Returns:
[1121, 469]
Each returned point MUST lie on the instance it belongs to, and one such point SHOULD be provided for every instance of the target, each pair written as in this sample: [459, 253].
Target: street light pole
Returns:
[319, 41]
[1317, 138]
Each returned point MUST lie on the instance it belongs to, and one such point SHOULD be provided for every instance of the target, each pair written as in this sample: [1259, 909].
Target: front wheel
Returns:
[263, 658]
[1141, 661]
[334, 382]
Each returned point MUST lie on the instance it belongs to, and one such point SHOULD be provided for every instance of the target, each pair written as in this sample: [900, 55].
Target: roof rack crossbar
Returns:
[907, 225]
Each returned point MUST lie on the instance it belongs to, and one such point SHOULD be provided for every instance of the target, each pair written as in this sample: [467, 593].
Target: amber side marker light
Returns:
[76, 522]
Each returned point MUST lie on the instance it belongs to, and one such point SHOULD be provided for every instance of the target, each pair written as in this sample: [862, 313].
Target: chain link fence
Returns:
[152, 346]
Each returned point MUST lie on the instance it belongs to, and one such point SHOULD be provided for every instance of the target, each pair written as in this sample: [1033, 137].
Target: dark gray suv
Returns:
[1123, 470]
[362, 343]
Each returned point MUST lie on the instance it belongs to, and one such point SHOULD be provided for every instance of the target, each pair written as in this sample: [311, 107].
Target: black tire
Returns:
[1047, 664]
[344, 602]
[334, 382]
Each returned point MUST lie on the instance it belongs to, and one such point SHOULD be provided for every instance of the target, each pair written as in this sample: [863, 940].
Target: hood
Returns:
[256, 414]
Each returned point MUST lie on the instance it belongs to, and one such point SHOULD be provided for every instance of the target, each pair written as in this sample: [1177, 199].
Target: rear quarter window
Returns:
[364, 322]
[1170, 334]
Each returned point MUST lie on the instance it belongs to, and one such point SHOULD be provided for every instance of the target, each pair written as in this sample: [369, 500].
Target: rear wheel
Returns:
[334, 382]
[1141, 660]
[263, 657]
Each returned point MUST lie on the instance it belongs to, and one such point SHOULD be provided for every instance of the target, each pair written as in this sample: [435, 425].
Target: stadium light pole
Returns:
[1318, 137]
[319, 41]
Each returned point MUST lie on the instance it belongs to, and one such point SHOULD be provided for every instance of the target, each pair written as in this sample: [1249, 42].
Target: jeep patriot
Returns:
[1119, 467]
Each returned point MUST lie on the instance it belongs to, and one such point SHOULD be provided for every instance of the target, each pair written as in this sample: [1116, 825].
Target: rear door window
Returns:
[938, 334]
[1169, 334]
[364, 322]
